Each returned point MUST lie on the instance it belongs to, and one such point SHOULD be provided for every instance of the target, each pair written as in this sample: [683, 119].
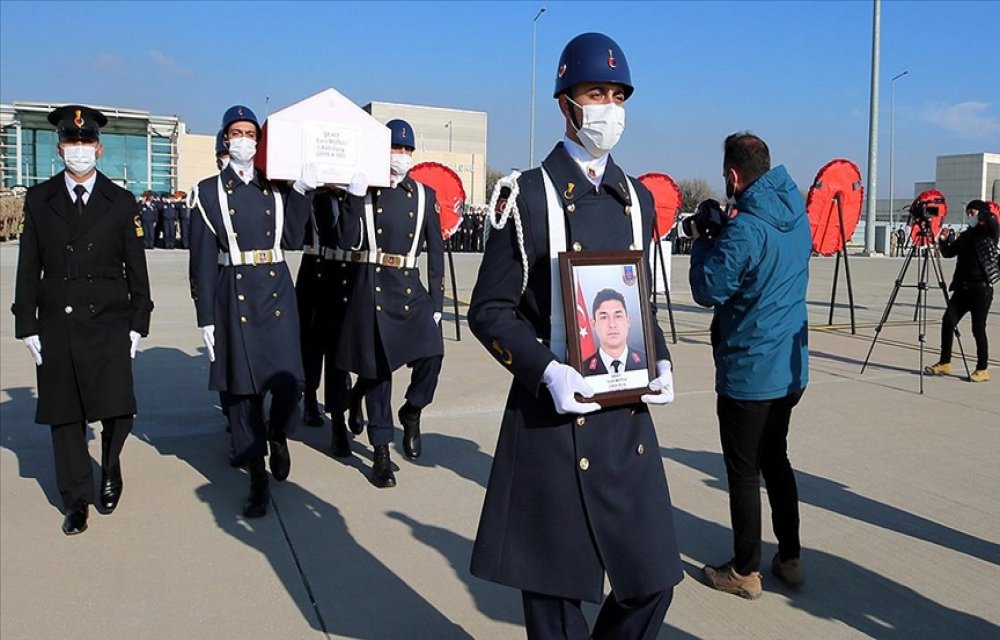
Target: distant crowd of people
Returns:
[165, 220]
[468, 238]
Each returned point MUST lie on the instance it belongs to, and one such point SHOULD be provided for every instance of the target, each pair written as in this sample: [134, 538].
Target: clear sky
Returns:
[795, 72]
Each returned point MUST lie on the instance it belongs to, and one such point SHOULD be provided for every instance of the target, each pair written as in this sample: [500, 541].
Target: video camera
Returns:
[924, 210]
[709, 218]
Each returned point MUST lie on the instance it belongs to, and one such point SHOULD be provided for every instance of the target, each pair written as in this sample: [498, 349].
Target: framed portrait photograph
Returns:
[609, 337]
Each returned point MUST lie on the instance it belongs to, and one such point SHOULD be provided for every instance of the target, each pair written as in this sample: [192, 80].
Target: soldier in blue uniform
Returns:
[245, 301]
[168, 216]
[147, 216]
[81, 304]
[576, 491]
[221, 151]
[392, 319]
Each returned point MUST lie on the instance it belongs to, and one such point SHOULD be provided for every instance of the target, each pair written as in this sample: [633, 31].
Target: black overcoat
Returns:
[252, 307]
[82, 285]
[390, 311]
[569, 497]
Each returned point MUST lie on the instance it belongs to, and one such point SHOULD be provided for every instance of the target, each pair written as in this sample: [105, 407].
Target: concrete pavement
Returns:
[900, 510]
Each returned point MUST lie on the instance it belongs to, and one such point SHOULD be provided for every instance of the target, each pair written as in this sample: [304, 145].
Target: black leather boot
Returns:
[341, 444]
[382, 476]
[76, 519]
[281, 460]
[260, 494]
[310, 411]
[111, 490]
[409, 417]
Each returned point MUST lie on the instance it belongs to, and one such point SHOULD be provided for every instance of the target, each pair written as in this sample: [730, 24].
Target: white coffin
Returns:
[329, 131]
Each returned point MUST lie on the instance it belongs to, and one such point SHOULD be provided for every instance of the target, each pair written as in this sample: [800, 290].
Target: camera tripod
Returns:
[926, 250]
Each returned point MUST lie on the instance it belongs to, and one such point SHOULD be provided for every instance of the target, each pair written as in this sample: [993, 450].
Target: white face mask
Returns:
[80, 159]
[242, 149]
[399, 165]
[603, 125]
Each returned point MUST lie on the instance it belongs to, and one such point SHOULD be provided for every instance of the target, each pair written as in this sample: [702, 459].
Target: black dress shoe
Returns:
[341, 445]
[355, 420]
[281, 461]
[76, 520]
[311, 415]
[409, 417]
[258, 498]
[111, 491]
[382, 476]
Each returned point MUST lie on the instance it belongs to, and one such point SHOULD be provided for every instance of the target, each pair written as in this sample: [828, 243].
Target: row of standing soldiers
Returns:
[468, 238]
[162, 217]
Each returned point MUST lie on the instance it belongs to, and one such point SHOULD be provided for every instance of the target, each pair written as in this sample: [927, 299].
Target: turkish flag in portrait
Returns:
[587, 347]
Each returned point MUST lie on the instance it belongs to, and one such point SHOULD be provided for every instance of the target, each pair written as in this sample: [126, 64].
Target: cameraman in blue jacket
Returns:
[753, 270]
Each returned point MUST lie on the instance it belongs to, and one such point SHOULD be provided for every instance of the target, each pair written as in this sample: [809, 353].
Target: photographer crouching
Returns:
[976, 271]
[753, 268]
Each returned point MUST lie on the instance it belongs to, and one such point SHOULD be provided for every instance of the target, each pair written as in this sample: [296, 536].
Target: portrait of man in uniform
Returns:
[611, 323]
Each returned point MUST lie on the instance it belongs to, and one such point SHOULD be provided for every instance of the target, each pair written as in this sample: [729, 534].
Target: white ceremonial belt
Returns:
[255, 258]
[395, 260]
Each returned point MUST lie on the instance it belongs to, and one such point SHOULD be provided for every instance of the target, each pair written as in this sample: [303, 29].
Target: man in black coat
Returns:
[577, 492]
[80, 306]
[245, 301]
[392, 319]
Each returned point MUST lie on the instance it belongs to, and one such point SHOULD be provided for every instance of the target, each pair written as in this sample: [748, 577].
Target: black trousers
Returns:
[149, 232]
[185, 223]
[553, 618]
[169, 233]
[336, 391]
[378, 397]
[975, 300]
[74, 474]
[754, 438]
[246, 419]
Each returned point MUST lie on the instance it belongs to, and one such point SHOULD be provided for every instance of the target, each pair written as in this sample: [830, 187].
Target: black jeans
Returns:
[754, 438]
[975, 300]
[554, 618]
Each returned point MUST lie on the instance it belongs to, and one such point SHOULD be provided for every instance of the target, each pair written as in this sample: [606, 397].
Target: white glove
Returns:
[663, 383]
[35, 347]
[359, 185]
[437, 317]
[308, 181]
[134, 337]
[208, 337]
[563, 382]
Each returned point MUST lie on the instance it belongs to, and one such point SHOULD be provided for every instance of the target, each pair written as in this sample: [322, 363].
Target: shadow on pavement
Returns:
[837, 589]
[838, 498]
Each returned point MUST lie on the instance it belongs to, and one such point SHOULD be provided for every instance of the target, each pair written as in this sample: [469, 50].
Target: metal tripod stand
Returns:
[926, 250]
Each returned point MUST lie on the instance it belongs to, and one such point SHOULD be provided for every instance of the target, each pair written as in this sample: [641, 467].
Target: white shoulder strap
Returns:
[557, 244]
[412, 255]
[369, 225]
[196, 202]
[279, 224]
[235, 253]
[636, 216]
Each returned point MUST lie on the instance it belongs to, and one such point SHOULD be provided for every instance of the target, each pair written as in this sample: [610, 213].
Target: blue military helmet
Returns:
[402, 134]
[592, 57]
[239, 113]
[220, 145]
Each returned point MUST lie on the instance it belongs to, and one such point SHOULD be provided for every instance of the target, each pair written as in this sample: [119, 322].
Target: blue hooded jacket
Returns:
[755, 275]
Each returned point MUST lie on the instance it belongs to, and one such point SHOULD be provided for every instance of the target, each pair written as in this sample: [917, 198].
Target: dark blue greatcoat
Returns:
[569, 497]
[390, 311]
[82, 285]
[252, 307]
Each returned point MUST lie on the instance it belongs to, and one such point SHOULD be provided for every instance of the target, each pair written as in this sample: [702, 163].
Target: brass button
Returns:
[277, 314]
[378, 269]
[267, 212]
[232, 212]
[239, 276]
[243, 319]
[274, 294]
[343, 282]
[378, 192]
[378, 307]
[343, 265]
[584, 464]
[241, 297]
[641, 449]
[406, 273]
[580, 421]
[92, 308]
[378, 231]
[229, 191]
[571, 207]
[409, 235]
[411, 214]
[409, 195]
[265, 192]
[271, 273]
[68, 310]
[406, 307]
[379, 210]
[577, 246]
[378, 289]
[267, 234]
[69, 247]
[628, 210]
[345, 299]
[409, 291]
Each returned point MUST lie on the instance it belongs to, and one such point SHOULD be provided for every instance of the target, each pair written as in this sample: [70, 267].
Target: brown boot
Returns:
[979, 375]
[726, 579]
[938, 369]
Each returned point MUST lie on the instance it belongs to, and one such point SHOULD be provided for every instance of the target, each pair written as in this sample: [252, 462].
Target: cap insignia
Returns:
[78, 120]
[611, 59]
[562, 70]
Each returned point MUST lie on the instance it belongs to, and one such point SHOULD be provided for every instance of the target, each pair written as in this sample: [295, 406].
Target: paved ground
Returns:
[900, 510]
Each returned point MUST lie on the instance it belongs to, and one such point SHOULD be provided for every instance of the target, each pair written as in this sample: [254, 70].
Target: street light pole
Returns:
[531, 136]
[892, 142]
[873, 134]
